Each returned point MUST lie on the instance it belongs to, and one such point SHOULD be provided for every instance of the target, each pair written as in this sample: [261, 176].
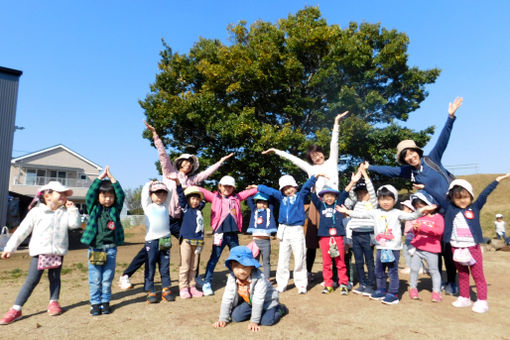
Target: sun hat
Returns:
[391, 189]
[408, 204]
[499, 216]
[326, 190]
[463, 184]
[287, 180]
[261, 197]
[228, 180]
[407, 144]
[187, 157]
[193, 190]
[424, 196]
[156, 186]
[58, 187]
[243, 255]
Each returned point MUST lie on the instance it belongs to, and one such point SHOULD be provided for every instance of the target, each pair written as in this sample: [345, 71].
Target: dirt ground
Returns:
[312, 316]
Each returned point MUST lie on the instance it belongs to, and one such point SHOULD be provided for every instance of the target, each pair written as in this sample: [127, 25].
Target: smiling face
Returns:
[186, 166]
[159, 197]
[226, 190]
[412, 158]
[462, 199]
[241, 272]
[289, 190]
[386, 202]
[55, 199]
[329, 198]
[317, 157]
[194, 201]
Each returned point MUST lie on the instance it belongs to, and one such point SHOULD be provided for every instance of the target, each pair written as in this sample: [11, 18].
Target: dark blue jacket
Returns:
[292, 209]
[254, 226]
[329, 216]
[189, 217]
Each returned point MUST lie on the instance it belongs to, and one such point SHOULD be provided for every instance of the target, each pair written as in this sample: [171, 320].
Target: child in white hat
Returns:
[500, 226]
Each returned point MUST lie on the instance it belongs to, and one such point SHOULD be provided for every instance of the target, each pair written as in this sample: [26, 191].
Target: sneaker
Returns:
[105, 308]
[281, 290]
[390, 299]
[327, 290]
[413, 294]
[436, 297]
[323, 284]
[350, 284]
[206, 289]
[184, 293]
[166, 295]
[406, 270]
[95, 310]
[11, 316]
[301, 290]
[283, 310]
[124, 282]
[480, 306]
[195, 292]
[152, 297]
[462, 302]
[54, 308]
[344, 290]
[368, 291]
[360, 290]
[378, 295]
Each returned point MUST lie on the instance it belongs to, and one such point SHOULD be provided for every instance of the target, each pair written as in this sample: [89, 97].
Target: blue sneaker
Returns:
[378, 295]
[390, 299]
[206, 289]
[360, 290]
[368, 291]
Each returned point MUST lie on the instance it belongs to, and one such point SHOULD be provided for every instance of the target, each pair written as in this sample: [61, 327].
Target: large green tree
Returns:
[281, 85]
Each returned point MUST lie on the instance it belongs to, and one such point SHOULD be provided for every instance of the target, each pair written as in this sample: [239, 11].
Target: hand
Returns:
[224, 158]
[6, 255]
[342, 209]
[500, 178]
[364, 166]
[109, 174]
[69, 204]
[219, 324]
[356, 177]
[252, 326]
[150, 127]
[251, 186]
[173, 177]
[271, 150]
[340, 116]
[418, 186]
[453, 107]
[104, 173]
[428, 208]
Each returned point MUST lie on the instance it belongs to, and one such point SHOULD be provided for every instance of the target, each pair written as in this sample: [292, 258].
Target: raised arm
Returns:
[333, 146]
[391, 171]
[482, 198]
[370, 185]
[246, 193]
[303, 165]
[145, 199]
[164, 160]
[202, 176]
[208, 196]
[437, 152]
[270, 192]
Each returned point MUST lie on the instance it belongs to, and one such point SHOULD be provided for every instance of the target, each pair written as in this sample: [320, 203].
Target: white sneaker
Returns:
[462, 302]
[207, 289]
[280, 289]
[480, 306]
[302, 290]
[124, 282]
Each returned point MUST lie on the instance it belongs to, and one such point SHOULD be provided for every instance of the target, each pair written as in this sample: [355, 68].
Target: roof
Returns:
[10, 71]
[14, 160]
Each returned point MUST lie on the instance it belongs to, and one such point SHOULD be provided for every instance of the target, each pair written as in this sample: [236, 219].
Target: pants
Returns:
[327, 261]
[380, 273]
[229, 239]
[292, 240]
[364, 254]
[189, 265]
[155, 256]
[101, 277]
[33, 278]
[502, 235]
[265, 251]
[447, 254]
[311, 237]
[476, 272]
[416, 264]
[242, 312]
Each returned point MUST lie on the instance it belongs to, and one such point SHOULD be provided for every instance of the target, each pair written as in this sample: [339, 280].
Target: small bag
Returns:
[165, 243]
[463, 256]
[255, 250]
[387, 256]
[333, 248]
[97, 258]
[49, 262]
[4, 238]
[217, 239]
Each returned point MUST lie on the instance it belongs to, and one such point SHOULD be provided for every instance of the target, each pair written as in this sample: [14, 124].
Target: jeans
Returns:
[101, 277]
[33, 278]
[159, 257]
[364, 254]
[242, 312]
[416, 264]
[265, 251]
[229, 239]
[502, 236]
[380, 273]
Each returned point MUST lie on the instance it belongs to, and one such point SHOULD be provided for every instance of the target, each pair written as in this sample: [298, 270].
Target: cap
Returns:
[228, 180]
[58, 187]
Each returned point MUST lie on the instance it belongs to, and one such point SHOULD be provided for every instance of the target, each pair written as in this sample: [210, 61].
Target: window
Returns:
[31, 177]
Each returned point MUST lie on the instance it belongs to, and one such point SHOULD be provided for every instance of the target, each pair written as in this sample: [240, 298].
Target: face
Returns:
[412, 158]
[317, 157]
[289, 190]
[194, 201]
[159, 197]
[329, 198]
[418, 204]
[186, 166]
[386, 202]
[462, 199]
[55, 199]
[499, 219]
[362, 195]
[226, 190]
[262, 204]
[241, 272]
[106, 199]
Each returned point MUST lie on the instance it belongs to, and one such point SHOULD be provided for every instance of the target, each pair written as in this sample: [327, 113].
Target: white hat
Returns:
[499, 216]
[58, 187]
[424, 196]
[188, 157]
[408, 204]
[287, 180]
[463, 184]
[228, 180]
[391, 189]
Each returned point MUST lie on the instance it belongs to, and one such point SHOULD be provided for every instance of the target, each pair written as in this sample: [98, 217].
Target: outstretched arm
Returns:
[437, 152]
[303, 165]
[333, 146]
[164, 160]
[202, 176]
[482, 198]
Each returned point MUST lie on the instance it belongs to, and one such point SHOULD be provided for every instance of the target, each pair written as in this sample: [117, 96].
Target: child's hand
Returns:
[453, 107]
[224, 158]
[109, 174]
[500, 178]
[340, 116]
[252, 326]
[69, 204]
[271, 150]
[428, 208]
[418, 186]
[173, 177]
[364, 166]
[355, 177]
[6, 255]
[150, 127]
[103, 174]
[342, 209]
[219, 324]
[251, 186]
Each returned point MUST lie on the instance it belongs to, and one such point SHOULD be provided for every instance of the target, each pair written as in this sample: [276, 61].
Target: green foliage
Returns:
[281, 85]
[133, 201]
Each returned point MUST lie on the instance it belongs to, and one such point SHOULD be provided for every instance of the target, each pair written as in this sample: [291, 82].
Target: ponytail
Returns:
[39, 197]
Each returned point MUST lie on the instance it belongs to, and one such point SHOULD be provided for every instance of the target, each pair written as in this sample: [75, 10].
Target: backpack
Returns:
[436, 167]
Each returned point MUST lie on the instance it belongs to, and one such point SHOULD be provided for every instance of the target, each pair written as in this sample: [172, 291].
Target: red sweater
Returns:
[428, 233]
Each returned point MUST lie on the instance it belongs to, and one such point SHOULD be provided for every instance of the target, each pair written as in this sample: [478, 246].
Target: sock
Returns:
[16, 307]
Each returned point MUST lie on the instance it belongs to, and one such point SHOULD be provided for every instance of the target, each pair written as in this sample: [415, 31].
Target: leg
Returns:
[431, 259]
[340, 262]
[451, 271]
[327, 273]
[54, 278]
[265, 250]
[415, 268]
[368, 251]
[271, 316]
[175, 227]
[164, 268]
[311, 237]
[463, 279]
[136, 262]
[358, 257]
[241, 312]
[33, 278]
[282, 269]
[477, 272]
[186, 253]
[231, 239]
[299, 252]
[393, 274]
[95, 278]
[193, 267]
[380, 274]
[108, 274]
[311, 253]
[151, 248]
[213, 260]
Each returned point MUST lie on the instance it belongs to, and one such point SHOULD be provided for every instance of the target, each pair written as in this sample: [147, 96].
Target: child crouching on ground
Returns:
[248, 295]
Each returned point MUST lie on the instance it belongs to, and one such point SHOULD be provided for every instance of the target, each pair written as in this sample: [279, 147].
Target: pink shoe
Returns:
[11, 316]
[184, 293]
[413, 294]
[54, 308]
[195, 292]
[436, 297]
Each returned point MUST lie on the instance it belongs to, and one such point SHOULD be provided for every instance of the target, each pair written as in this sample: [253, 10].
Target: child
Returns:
[248, 295]
[407, 207]
[192, 238]
[262, 225]
[427, 231]
[388, 240]
[155, 200]
[464, 232]
[226, 222]
[500, 226]
[290, 231]
[50, 215]
[103, 233]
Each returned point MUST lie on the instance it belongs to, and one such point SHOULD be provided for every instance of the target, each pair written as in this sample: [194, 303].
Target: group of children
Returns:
[173, 207]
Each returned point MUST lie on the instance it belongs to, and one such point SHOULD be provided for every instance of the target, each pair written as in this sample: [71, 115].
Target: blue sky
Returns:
[87, 63]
